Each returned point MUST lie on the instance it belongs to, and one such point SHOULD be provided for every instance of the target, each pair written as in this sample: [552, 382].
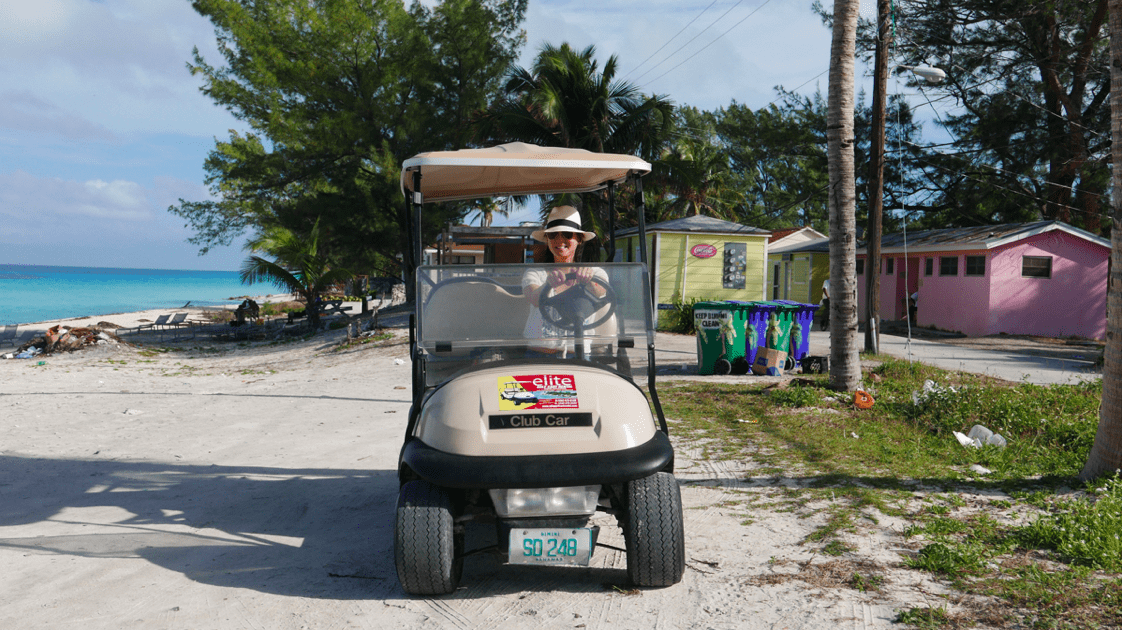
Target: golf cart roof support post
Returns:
[641, 210]
[418, 202]
[611, 249]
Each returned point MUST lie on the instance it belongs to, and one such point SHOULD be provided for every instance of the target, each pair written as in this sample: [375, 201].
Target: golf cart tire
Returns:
[656, 545]
[722, 367]
[428, 558]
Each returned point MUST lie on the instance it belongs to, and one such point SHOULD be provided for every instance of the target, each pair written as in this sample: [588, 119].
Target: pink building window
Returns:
[1036, 266]
[975, 265]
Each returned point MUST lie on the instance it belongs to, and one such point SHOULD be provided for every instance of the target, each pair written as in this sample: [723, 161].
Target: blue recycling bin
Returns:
[758, 314]
[803, 315]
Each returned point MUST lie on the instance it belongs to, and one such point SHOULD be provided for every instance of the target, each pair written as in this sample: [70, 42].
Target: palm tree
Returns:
[299, 266]
[488, 208]
[845, 362]
[696, 179]
[1106, 453]
[565, 100]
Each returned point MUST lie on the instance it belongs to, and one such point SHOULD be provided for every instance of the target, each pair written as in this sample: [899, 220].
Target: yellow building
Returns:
[701, 258]
[797, 267]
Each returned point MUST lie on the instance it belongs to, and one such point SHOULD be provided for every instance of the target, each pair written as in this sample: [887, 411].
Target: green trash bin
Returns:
[720, 337]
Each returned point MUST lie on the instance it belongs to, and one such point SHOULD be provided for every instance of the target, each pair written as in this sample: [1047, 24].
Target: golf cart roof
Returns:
[515, 169]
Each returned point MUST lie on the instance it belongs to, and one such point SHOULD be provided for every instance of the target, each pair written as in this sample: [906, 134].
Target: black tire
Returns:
[656, 544]
[722, 366]
[426, 549]
[789, 364]
[740, 366]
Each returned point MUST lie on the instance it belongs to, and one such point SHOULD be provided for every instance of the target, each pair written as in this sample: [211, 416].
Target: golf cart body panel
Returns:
[470, 416]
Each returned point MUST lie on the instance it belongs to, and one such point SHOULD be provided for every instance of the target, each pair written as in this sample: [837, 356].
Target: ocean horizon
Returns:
[37, 293]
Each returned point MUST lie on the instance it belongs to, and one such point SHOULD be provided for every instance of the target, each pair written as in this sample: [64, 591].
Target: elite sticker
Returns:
[537, 391]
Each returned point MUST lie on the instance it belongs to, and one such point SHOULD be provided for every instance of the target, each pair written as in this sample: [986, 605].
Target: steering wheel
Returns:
[568, 310]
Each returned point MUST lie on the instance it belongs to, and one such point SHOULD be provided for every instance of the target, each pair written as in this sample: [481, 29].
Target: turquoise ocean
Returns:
[34, 293]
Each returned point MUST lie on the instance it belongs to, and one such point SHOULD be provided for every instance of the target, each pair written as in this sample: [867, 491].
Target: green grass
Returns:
[1058, 567]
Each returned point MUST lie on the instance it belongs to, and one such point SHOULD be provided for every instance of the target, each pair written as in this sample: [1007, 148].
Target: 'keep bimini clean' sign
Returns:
[537, 391]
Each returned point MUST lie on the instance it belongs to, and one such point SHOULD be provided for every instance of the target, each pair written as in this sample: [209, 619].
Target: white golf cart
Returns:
[532, 435]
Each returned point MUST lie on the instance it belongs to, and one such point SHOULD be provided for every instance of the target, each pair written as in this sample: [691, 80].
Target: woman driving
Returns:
[565, 238]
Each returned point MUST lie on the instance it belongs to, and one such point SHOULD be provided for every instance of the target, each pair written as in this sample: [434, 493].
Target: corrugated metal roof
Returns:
[981, 237]
[977, 237]
[696, 223]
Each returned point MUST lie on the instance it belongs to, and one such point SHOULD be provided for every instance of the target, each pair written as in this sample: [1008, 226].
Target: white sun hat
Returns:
[562, 219]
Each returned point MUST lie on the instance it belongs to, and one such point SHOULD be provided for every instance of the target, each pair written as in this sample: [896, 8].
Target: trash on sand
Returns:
[981, 470]
[931, 389]
[963, 440]
[980, 436]
[862, 399]
[66, 339]
[399, 361]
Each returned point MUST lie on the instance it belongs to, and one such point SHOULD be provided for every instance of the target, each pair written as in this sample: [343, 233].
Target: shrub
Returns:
[680, 318]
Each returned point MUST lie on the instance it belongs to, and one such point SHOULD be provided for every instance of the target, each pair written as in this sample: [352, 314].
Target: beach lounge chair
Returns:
[8, 335]
[160, 321]
[177, 320]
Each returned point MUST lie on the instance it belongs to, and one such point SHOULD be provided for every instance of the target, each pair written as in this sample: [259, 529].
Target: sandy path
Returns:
[255, 489]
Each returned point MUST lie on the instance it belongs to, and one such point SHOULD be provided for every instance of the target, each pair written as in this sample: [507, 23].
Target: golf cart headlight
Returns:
[521, 502]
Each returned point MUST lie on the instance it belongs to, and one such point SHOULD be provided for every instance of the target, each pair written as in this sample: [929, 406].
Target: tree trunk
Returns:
[845, 361]
[876, 182]
[1106, 452]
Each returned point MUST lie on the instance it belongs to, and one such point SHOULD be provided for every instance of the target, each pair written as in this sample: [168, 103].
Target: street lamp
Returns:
[928, 73]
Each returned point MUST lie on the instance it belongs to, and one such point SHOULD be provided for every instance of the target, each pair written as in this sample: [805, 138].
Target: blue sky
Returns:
[102, 127]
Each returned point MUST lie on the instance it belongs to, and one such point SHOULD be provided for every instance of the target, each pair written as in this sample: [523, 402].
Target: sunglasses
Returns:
[563, 235]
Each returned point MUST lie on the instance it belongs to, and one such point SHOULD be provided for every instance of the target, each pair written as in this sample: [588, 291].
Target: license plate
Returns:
[551, 546]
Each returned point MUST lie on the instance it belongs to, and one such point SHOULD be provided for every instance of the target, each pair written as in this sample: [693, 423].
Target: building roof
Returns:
[817, 246]
[984, 237]
[808, 233]
[696, 224]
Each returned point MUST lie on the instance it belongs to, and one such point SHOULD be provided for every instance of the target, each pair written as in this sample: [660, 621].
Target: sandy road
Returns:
[255, 489]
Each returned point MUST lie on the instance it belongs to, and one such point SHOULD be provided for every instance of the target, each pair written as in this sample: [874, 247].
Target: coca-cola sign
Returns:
[703, 251]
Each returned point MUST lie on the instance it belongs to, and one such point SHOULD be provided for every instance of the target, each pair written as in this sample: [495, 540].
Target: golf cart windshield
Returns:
[473, 314]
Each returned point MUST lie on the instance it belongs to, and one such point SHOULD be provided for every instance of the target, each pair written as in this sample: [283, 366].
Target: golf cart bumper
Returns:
[537, 471]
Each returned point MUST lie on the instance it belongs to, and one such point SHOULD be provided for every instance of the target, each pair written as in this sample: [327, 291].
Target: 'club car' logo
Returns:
[703, 251]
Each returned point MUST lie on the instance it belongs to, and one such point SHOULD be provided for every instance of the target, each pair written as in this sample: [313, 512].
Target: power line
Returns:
[700, 33]
[672, 38]
[754, 11]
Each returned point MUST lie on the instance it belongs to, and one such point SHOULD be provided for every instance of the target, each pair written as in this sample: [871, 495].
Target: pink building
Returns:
[1045, 278]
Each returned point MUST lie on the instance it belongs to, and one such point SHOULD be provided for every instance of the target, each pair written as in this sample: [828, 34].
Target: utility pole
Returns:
[876, 180]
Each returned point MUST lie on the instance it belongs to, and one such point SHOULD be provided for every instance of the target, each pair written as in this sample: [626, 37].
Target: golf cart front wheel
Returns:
[656, 545]
[427, 551]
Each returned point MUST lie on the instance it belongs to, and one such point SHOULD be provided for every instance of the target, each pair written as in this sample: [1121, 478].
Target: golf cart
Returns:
[530, 435]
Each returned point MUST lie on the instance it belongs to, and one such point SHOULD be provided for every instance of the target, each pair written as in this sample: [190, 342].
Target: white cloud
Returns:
[120, 63]
[23, 195]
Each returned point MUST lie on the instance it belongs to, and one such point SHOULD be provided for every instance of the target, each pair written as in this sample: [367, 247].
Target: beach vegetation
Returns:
[1013, 532]
[299, 266]
[335, 95]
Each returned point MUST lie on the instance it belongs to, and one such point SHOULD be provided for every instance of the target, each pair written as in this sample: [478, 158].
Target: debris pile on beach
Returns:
[66, 339]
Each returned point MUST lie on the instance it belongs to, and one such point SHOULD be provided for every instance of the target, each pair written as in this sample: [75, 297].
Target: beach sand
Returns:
[253, 485]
